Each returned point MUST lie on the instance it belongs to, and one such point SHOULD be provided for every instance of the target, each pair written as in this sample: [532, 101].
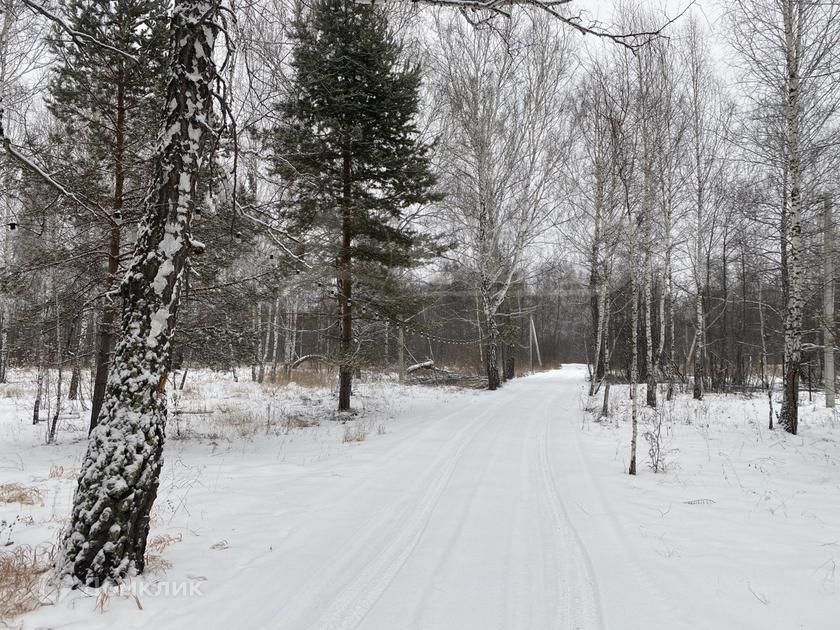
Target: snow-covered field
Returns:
[452, 510]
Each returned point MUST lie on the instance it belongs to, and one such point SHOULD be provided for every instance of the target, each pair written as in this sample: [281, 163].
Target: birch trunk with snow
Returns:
[106, 536]
[275, 346]
[789, 416]
[265, 344]
[698, 310]
[605, 407]
[646, 112]
[290, 337]
[634, 359]
[828, 300]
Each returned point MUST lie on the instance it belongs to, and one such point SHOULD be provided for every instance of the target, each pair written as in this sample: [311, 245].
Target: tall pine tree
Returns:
[351, 150]
[109, 106]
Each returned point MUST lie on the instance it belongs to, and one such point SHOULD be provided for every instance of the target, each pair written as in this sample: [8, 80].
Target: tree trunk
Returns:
[762, 331]
[598, 372]
[105, 333]
[491, 349]
[105, 338]
[345, 283]
[828, 302]
[634, 360]
[789, 416]
[275, 349]
[52, 427]
[106, 536]
[400, 354]
[605, 408]
[76, 375]
[491, 353]
[595, 281]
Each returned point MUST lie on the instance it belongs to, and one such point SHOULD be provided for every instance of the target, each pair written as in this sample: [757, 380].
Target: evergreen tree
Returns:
[109, 105]
[350, 148]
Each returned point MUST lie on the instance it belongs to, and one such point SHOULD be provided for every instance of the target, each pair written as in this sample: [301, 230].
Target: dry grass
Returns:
[298, 421]
[316, 379]
[155, 562]
[17, 493]
[354, 433]
[244, 422]
[23, 571]
[158, 544]
[10, 390]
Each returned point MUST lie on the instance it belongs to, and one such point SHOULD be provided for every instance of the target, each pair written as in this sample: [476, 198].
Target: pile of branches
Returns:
[427, 374]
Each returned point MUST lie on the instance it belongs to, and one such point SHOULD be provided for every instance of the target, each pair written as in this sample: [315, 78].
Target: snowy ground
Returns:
[457, 511]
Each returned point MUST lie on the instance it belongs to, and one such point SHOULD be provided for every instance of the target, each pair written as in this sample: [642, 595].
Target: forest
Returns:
[434, 192]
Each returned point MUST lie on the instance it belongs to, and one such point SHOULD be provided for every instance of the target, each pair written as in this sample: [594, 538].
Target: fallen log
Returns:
[419, 366]
[307, 357]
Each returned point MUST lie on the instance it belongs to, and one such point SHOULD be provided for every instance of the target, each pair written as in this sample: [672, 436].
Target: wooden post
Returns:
[536, 343]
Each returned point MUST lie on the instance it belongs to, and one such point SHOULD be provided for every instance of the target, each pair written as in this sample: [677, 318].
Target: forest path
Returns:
[465, 527]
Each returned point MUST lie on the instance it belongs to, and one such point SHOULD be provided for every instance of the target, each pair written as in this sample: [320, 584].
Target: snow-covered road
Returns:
[501, 510]
[463, 527]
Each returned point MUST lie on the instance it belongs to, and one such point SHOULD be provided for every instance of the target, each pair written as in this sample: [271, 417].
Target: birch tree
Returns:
[502, 148]
[708, 114]
[109, 524]
[828, 299]
[789, 50]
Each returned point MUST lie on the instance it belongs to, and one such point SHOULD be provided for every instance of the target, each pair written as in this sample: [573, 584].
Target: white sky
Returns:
[711, 14]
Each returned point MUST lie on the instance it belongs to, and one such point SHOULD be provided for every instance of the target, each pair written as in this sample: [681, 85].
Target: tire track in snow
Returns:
[354, 602]
[360, 579]
[639, 574]
[462, 519]
[576, 578]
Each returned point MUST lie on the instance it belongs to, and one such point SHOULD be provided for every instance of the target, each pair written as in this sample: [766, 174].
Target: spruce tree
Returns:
[351, 150]
[109, 104]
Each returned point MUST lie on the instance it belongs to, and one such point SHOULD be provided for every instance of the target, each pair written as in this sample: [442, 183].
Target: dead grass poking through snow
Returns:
[9, 390]
[155, 562]
[244, 422]
[354, 433]
[159, 543]
[318, 379]
[22, 573]
[17, 493]
[56, 472]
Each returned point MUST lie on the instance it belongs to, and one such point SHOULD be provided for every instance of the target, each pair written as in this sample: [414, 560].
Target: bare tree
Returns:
[498, 97]
[790, 50]
[708, 115]
[828, 299]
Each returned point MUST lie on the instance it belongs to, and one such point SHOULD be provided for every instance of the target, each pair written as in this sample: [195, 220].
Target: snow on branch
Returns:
[419, 366]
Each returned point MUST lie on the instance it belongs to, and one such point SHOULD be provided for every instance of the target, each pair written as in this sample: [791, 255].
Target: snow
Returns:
[458, 510]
